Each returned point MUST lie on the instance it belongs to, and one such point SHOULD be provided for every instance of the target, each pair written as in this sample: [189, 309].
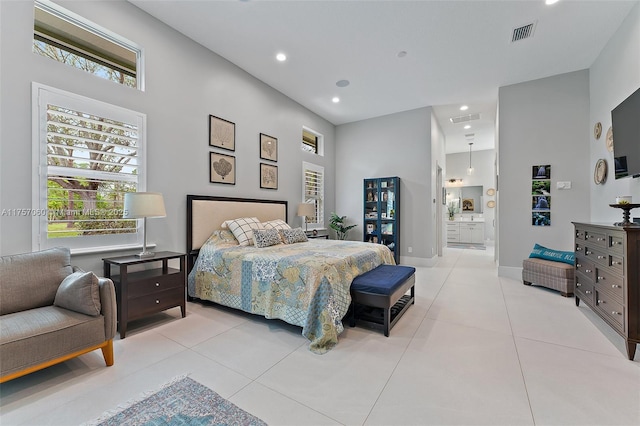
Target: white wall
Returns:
[392, 145]
[484, 174]
[184, 84]
[614, 75]
[544, 121]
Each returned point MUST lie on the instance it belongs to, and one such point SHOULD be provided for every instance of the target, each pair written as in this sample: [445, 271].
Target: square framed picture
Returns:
[268, 176]
[222, 133]
[542, 171]
[268, 147]
[222, 168]
[541, 218]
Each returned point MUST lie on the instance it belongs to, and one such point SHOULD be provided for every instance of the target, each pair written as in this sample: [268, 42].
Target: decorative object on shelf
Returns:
[470, 169]
[624, 199]
[381, 217]
[222, 168]
[626, 208]
[337, 223]
[609, 140]
[491, 204]
[268, 176]
[222, 133]
[491, 192]
[451, 209]
[600, 172]
[597, 130]
[143, 205]
[306, 210]
[268, 147]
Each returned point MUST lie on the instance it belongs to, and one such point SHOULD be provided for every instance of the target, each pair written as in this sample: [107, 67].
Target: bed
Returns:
[305, 284]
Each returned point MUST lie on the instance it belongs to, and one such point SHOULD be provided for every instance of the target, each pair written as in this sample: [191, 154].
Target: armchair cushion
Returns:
[79, 292]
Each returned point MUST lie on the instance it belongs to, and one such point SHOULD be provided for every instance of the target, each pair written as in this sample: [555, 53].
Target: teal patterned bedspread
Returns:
[305, 284]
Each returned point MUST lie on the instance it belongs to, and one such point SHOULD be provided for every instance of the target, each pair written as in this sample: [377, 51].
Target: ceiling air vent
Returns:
[523, 32]
[470, 135]
[463, 118]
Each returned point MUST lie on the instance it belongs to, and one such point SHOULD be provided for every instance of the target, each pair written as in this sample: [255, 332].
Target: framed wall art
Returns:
[268, 147]
[222, 133]
[222, 168]
[268, 176]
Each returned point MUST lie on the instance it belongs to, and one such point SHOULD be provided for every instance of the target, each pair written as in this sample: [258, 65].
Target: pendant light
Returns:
[470, 169]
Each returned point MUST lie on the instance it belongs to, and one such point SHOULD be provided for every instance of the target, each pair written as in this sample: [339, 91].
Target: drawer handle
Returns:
[578, 285]
[601, 302]
[578, 265]
[588, 291]
[601, 278]
[157, 284]
[588, 252]
[588, 236]
[578, 248]
[616, 313]
[616, 286]
[614, 243]
[157, 301]
[587, 270]
[599, 239]
[600, 257]
[617, 263]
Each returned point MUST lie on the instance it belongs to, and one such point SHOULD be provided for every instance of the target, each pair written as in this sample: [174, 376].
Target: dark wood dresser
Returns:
[607, 276]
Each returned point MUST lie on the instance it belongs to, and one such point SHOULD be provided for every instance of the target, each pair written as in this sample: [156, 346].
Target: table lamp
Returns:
[306, 210]
[143, 205]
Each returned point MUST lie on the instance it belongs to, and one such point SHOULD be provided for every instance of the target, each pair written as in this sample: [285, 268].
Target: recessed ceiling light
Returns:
[402, 54]
[281, 57]
[464, 107]
[468, 126]
[342, 83]
[335, 100]
[550, 2]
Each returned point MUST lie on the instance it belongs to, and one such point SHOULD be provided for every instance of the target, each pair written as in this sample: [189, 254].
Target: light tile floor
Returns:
[475, 349]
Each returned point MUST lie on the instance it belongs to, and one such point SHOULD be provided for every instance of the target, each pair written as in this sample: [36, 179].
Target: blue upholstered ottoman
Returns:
[383, 287]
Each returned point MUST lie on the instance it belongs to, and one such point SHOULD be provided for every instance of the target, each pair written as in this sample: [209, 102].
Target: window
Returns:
[89, 154]
[313, 187]
[312, 141]
[68, 38]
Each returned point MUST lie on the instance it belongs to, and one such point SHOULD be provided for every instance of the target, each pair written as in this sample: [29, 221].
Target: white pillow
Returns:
[276, 224]
[242, 229]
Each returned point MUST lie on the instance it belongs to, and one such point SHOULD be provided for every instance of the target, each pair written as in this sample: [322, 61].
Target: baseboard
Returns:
[418, 261]
[510, 272]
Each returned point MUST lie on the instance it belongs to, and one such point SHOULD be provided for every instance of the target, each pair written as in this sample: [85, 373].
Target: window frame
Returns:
[86, 25]
[320, 214]
[319, 142]
[42, 96]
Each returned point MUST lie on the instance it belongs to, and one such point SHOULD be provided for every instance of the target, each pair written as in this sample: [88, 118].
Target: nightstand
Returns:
[149, 291]
[319, 234]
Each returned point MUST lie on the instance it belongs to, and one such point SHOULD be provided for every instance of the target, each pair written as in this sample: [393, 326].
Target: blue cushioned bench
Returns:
[383, 287]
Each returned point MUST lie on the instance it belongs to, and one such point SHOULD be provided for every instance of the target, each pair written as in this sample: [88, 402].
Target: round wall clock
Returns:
[597, 130]
[600, 172]
[609, 140]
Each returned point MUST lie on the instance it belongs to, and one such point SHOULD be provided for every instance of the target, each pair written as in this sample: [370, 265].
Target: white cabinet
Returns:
[453, 232]
[472, 233]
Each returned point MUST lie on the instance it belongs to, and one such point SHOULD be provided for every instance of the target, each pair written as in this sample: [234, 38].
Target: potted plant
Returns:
[337, 223]
[452, 211]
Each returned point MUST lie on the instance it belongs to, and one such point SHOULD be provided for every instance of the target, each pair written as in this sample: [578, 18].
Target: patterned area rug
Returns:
[181, 402]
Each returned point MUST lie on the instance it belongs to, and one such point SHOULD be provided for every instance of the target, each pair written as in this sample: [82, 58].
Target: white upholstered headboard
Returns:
[206, 213]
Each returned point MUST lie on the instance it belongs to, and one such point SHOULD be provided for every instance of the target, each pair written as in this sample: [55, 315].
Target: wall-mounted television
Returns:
[625, 122]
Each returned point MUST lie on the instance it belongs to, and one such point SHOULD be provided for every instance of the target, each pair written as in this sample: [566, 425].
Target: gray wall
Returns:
[609, 85]
[392, 145]
[184, 84]
[484, 174]
[542, 122]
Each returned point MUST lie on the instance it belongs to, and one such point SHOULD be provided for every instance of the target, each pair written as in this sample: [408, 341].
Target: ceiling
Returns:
[457, 52]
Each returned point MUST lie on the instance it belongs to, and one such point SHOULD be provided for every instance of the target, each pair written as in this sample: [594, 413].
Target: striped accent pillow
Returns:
[242, 229]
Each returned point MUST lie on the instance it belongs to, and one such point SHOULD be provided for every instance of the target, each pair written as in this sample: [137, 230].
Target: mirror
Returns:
[466, 199]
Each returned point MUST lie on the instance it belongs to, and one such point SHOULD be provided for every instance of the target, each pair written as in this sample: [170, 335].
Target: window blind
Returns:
[314, 191]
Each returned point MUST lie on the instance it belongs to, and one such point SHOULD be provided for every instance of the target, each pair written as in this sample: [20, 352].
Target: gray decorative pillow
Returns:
[295, 235]
[79, 292]
[266, 237]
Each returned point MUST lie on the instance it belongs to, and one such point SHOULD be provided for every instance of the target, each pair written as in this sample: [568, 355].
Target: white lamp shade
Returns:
[143, 204]
[306, 209]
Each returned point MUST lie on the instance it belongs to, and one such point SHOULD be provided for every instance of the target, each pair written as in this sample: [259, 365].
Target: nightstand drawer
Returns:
[152, 303]
[154, 284]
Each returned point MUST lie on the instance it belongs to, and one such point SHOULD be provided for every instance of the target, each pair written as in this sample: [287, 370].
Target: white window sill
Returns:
[109, 249]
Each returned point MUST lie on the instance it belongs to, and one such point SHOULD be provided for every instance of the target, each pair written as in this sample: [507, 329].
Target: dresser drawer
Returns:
[616, 262]
[596, 255]
[149, 285]
[586, 267]
[159, 301]
[580, 234]
[584, 288]
[616, 242]
[596, 238]
[611, 308]
[611, 283]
